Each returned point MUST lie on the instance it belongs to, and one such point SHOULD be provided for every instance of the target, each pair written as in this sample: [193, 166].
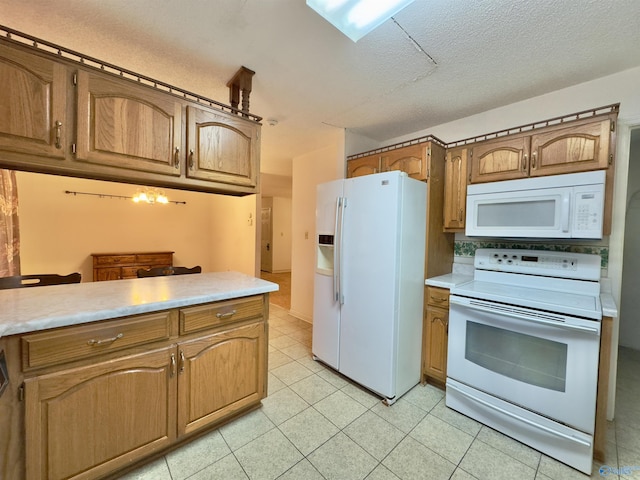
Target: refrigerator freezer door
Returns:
[326, 308]
[368, 329]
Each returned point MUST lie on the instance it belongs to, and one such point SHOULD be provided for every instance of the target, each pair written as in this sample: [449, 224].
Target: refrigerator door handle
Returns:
[340, 246]
[336, 252]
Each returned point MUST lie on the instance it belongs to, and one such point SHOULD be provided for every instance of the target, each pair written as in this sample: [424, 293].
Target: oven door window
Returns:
[532, 360]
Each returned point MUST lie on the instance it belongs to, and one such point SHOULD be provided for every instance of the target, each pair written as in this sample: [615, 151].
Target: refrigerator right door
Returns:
[326, 307]
[368, 328]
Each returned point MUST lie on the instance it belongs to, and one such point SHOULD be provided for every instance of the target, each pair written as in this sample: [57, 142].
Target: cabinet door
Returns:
[32, 104]
[219, 375]
[412, 160]
[503, 159]
[222, 148]
[128, 126]
[363, 166]
[455, 189]
[84, 422]
[105, 274]
[435, 343]
[573, 149]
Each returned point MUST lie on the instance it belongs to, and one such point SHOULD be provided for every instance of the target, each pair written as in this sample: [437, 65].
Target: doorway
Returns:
[266, 242]
[629, 298]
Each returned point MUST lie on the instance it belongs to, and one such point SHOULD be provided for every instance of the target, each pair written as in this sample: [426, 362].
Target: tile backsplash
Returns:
[465, 248]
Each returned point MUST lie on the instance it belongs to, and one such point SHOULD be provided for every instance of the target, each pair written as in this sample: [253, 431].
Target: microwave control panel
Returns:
[587, 215]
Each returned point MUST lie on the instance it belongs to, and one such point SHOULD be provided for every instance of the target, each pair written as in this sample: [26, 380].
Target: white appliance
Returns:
[524, 343]
[557, 206]
[369, 280]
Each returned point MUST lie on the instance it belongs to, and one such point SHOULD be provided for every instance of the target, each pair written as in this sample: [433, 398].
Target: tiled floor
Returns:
[316, 425]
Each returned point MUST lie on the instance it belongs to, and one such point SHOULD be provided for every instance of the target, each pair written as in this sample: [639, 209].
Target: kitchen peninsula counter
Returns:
[97, 377]
[38, 308]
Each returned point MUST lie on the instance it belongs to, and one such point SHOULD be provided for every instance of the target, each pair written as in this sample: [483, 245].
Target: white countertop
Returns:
[38, 308]
[448, 280]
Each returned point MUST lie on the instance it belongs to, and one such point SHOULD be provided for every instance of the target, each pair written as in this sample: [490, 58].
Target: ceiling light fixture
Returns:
[356, 18]
[150, 195]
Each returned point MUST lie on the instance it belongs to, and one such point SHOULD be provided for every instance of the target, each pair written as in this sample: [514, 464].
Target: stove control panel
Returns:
[539, 262]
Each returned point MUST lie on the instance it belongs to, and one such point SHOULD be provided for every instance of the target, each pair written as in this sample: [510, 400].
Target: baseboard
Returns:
[301, 316]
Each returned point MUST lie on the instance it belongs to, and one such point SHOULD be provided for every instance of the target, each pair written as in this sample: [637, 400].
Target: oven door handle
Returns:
[519, 315]
[519, 418]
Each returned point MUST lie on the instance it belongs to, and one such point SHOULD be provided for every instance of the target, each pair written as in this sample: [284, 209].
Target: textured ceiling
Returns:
[436, 61]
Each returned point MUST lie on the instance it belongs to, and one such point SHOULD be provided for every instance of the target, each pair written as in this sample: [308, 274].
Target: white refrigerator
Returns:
[369, 280]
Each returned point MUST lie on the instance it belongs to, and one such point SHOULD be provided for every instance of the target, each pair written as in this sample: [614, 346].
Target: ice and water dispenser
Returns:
[325, 255]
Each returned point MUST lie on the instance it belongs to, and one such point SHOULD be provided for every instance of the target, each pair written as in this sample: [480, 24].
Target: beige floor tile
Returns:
[277, 359]
[245, 429]
[460, 474]
[283, 405]
[340, 409]
[313, 388]
[424, 396]
[382, 473]
[268, 456]
[302, 470]
[342, 459]
[226, 468]
[377, 436]
[308, 430]
[311, 364]
[333, 378]
[511, 447]
[402, 414]
[291, 373]
[197, 455]
[487, 463]
[411, 460]
[442, 438]
[456, 419]
[274, 384]
[296, 351]
[283, 341]
[158, 470]
[360, 395]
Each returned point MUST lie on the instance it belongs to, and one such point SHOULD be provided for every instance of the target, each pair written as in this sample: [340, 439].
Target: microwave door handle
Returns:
[564, 212]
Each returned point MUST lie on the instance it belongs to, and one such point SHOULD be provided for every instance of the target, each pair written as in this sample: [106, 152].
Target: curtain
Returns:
[9, 230]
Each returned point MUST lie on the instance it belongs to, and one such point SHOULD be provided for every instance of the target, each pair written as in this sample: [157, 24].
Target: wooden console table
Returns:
[117, 266]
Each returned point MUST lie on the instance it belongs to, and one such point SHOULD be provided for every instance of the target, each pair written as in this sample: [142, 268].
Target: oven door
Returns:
[541, 361]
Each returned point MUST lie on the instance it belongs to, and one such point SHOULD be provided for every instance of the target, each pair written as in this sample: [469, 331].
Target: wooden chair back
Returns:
[164, 271]
[42, 280]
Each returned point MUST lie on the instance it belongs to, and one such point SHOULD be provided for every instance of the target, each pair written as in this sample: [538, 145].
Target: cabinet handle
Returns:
[533, 160]
[226, 315]
[173, 365]
[524, 162]
[190, 159]
[460, 215]
[438, 299]
[181, 361]
[176, 158]
[58, 127]
[94, 342]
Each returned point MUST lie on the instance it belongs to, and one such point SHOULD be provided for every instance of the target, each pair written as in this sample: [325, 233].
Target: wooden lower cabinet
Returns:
[101, 413]
[118, 266]
[435, 335]
[234, 359]
[88, 421]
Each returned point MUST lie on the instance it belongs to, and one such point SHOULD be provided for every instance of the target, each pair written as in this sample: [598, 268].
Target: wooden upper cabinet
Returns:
[363, 166]
[221, 148]
[412, 160]
[500, 159]
[573, 149]
[33, 101]
[455, 188]
[128, 126]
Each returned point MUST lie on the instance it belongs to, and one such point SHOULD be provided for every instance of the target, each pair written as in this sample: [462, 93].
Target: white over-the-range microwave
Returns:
[557, 206]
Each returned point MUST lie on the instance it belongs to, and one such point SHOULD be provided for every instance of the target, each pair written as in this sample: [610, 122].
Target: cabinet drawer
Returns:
[114, 259]
[75, 343]
[158, 259]
[213, 314]
[438, 297]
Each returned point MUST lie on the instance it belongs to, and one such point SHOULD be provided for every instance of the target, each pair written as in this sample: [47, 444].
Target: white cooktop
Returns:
[552, 281]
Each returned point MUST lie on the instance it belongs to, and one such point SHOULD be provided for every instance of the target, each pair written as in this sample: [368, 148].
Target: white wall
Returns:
[281, 234]
[308, 171]
[59, 232]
